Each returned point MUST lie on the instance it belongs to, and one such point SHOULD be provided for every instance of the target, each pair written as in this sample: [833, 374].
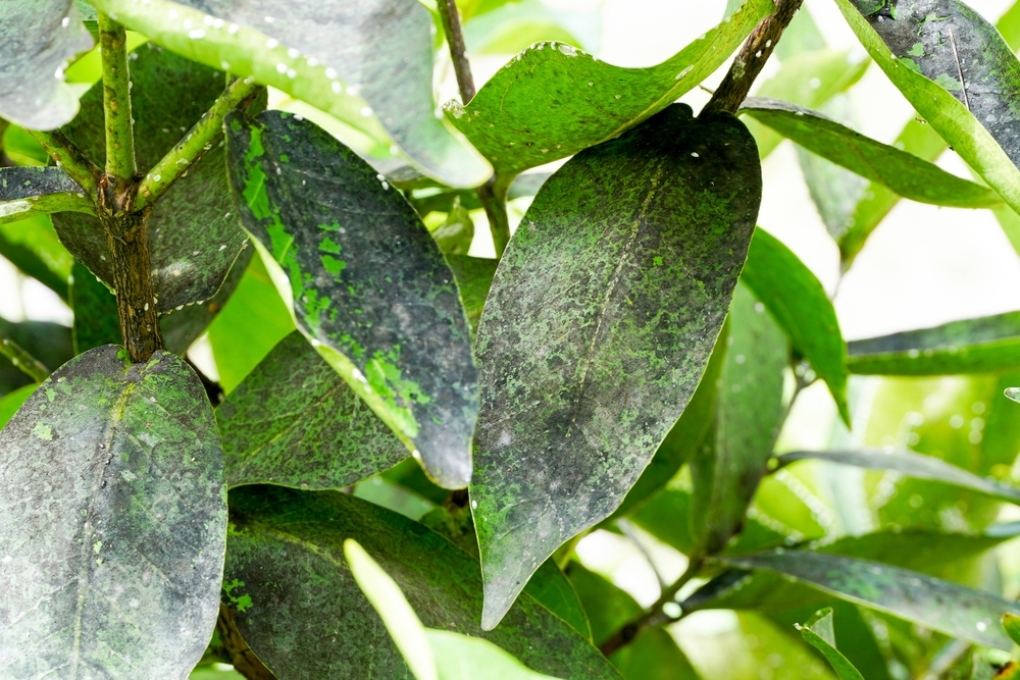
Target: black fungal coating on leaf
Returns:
[112, 522]
[368, 280]
[598, 327]
[295, 422]
[957, 48]
[286, 547]
[21, 182]
[194, 235]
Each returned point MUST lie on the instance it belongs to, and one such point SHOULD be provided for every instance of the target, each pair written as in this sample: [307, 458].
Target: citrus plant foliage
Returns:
[404, 439]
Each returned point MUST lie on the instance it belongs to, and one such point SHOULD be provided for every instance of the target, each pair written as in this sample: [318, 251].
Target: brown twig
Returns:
[492, 197]
[751, 59]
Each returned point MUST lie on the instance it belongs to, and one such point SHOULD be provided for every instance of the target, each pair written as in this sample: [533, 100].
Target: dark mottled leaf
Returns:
[48, 342]
[907, 175]
[193, 237]
[32, 246]
[990, 343]
[652, 655]
[553, 100]
[748, 415]
[295, 422]
[818, 632]
[39, 190]
[911, 464]
[611, 306]
[367, 281]
[333, 54]
[474, 279]
[930, 602]
[39, 37]
[797, 300]
[949, 40]
[95, 311]
[113, 522]
[287, 578]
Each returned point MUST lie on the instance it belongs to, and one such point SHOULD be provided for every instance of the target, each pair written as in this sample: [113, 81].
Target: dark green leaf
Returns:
[474, 279]
[39, 36]
[113, 522]
[95, 311]
[553, 100]
[907, 175]
[797, 300]
[194, 238]
[818, 632]
[748, 415]
[933, 603]
[990, 343]
[294, 422]
[1011, 624]
[32, 246]
[297, 604]
[931, 83]
[610, 306]
[910, 464]
[48, 342]
[368, 283]
[333, 54]
[33, 191]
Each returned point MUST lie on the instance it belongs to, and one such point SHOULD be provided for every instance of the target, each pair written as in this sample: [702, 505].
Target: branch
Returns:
[193, 145]
[120, 140]
[244, 660]
[68, 156]
[22, 360]
[492, 194]
[654, 615]
[751, 59]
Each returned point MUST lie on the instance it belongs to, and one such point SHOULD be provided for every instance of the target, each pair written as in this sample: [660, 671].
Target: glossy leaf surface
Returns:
[748, 415]
[368, 282]
[333, 54]
[553, 100]
[907, 175]
[818, 632]
[194, 237]
[295, 422]
[113, 522]
[980, 345]
[289, 577]
[933, 603]
[39, 36]
[913, 465]
[943, 108]
[797, 300]
[612, 306]
[31, 191]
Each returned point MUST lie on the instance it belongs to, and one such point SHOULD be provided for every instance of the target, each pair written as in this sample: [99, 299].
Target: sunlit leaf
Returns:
[818, 632]
[32, 246]
[609, 306]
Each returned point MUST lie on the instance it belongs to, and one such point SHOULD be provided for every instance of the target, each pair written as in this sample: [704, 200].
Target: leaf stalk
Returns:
[68, 156]
[22, 360]
[120, 140]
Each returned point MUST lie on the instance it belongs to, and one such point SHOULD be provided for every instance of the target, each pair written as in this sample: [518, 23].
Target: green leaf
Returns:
[33, 191]
[1011, 624]
[250, 324]
[989, 343]
[113, 521]
[907, 175]
[819, 634]
[294, 422]
[39, 37]
[194, 237]
[992, 62]
[474, 279]
[368, 282]
[455, 234]
[335, 55]
[910, 464]
[48, 342]
[32, 246]
[12, 401]
[463, 657]
[797, 300]
[611, 305]
[748, 415]
[930, 602]
[553, 100]
[801, 35]
[95, 311]
[810, 80]
[286, 570]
